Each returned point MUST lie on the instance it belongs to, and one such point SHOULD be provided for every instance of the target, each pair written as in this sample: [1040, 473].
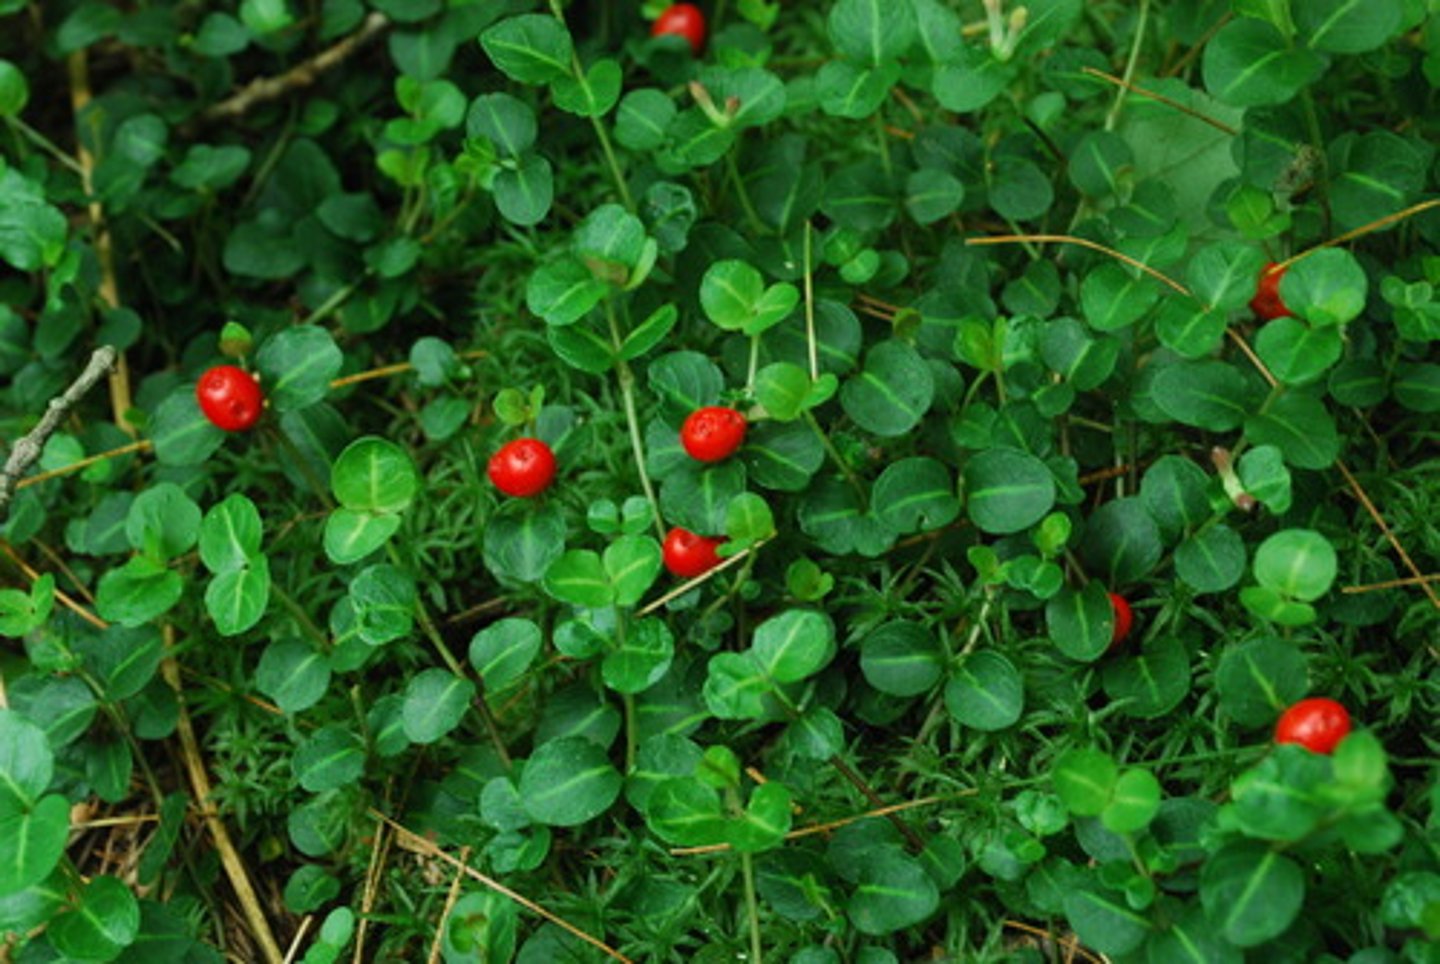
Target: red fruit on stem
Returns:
[687, 555]
[1124, 619]
[1267, 303]
[682, 20]
[230, 397]
[713, 433]
[1318, 724]
[522, 468]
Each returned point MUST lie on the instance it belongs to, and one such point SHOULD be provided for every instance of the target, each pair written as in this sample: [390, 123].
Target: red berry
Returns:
[1267, 303]
[1317, 724]
[523, 468]
[1124, 619]
[713, 433]
[230, 398]
[687, 555]
[682, 20]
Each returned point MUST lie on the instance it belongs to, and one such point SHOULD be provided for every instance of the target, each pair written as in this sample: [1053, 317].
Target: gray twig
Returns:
[28, 448]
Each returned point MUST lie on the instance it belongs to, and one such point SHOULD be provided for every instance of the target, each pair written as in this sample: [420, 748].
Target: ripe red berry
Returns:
[522, 468]
[687, 555]
[230, 398]
[1317, 724]
[1124, 619]
[1267, 303]
[713, 433]
[682, 20]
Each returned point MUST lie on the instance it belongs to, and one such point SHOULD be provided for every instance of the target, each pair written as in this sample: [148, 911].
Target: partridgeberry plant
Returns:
[853, 481]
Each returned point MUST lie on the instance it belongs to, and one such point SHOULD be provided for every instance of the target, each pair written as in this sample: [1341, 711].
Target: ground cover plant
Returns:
[813, 482]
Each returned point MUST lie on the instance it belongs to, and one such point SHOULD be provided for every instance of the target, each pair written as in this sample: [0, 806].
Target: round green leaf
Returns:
[1257, 679]
[567, 782]
[1007, 490]
[1211, 561]
[104, 922]
[292, 673]
[230, 534]
[985, 692]
[14, 89]
[297, 365]
[522, 540]
[1250, 892]
[374, 475]
[1152, 683]
[915, 494]
[435, 703]
[1249, 63]
[1085, 780]
[893, 892]
[26, 762]
[1325, 288]
[1134, 803]
[793, 645]
[329, 758]
[503, 651]
[901, 658]
[1299, 563]
[532, 48]
[1081, 622]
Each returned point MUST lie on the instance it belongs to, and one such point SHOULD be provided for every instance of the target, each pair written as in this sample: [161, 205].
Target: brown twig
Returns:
[200, 785]
[1390, 584]
[1084, 243]
[30, 446]
[262, 90]
[1361, 231]
[417, 844]
[60, 597]
[830, 825]
[450, 901]
[109, 290]
[688, 585]
[1161, 98]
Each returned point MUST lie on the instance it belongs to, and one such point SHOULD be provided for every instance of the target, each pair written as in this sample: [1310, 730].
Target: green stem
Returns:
[613, 164]
[752, 908]
[301, 617]
[754, 365]
[632, 733]
[44, 143]
[884, 141]
[837, 458]
[746, 205]
[627, 394]
[1113, 117]
[811, 343]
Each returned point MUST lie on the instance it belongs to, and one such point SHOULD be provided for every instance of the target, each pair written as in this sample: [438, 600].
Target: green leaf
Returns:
[1349, 26]
[1300, 427]
[641, 660]
[32, 231]
[293, 673]
[846, 89]
[736, 686]
[14, 90]
[505, 121]
[163, 521]
[643, 117]
[892, 393]
[793, 645]
[1299, 563]
[1223, 274]
[352, 535]
[503, 651]
[207, 168]
[1417, 387]
[591, 94]
[1295, 352]
[562, 292]
[1134, 803]
[105, 921]
[181, 432]
[32, 841]
[230, 534]
[329, 758]
[893, 892]
[138, 591]
[684, 811]
[1249, 63]
[236, 599]
[532, 48]
[1112, 297]
[871, 31]
[1205, 394]
[567, 782]
[1256, 680]
[632, 564]
[435, 703]
[1085, 779]
[298, 365]
[901, 658]
[748, 519]
[1151, 683]
[578, 577]
[971, 80]
[1081, 622]
[374, 475]
[932, 194]
[699, 498]
[1251, 893]
[1211, 561]
[985, 692]
[1325, 288]
[522, 540]
[525, 192]
[1007, 490]
[1102, 918]
[26, 763]
[915, 494]
[734, 296]
[1173, 491]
